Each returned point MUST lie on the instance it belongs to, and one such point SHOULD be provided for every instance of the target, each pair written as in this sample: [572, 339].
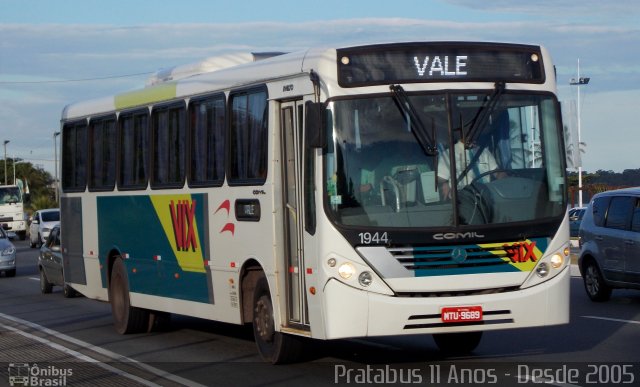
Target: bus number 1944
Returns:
[367, 238]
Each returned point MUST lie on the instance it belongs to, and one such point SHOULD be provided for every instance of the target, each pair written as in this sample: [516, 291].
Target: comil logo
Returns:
[24, 374]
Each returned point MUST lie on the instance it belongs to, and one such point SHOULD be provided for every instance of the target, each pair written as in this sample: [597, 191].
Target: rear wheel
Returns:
[461, 343]
[45, 285]
[594, 284]
[68, 291]
[275, 347]
[126, 318]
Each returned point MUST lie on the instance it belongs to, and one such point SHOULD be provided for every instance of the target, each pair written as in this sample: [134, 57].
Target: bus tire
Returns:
[126, 318]
[461, 343]
[274, 347]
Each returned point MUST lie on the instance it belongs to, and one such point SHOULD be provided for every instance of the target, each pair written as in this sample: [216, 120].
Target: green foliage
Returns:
[42, 202]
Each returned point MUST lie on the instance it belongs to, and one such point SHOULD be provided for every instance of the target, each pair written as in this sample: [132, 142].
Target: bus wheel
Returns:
[274, 347]
[126, 319]
[457, 343]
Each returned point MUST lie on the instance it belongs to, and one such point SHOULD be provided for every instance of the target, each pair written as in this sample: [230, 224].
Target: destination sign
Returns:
[439, 62]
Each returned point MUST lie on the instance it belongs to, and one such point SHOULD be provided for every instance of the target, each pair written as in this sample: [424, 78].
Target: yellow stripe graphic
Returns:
[177, 214]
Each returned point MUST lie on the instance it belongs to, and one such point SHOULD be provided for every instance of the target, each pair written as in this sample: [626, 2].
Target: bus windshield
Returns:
[10, 195]
[495, 162]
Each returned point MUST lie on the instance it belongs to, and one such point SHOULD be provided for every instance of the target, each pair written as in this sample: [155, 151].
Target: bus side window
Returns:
[74, 156]
[248, 137]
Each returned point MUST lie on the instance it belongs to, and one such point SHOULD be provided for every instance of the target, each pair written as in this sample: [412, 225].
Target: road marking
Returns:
[105, 352]
[35, 279]
[613, 319]
[80, 356]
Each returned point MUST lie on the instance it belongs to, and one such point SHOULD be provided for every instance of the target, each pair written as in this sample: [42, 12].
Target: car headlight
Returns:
[9, 250]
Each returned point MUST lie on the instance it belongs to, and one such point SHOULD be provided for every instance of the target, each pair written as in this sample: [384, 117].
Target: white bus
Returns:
[311, 195]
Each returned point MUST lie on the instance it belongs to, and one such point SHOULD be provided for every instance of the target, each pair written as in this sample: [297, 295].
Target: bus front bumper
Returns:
[350, 312]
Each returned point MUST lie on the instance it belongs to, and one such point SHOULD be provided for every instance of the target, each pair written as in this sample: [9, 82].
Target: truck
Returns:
[12, 216]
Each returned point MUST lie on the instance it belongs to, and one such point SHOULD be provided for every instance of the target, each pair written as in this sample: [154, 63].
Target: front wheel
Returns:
[461, 343]
[45, 285]
[275, 347]
[126, 318]
[594, 284]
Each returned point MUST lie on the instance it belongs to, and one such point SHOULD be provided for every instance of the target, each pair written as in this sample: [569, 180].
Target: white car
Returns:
[41, 225]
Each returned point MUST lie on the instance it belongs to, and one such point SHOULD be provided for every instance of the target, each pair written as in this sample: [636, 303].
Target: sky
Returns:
[53, 53]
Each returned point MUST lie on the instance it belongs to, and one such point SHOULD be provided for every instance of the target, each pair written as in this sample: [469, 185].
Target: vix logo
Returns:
[182, 218]
[521, 252]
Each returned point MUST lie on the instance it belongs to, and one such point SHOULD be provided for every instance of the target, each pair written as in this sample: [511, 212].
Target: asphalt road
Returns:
[600, 346]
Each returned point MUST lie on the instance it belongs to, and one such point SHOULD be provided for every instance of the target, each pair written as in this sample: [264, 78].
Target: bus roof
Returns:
[213, 78]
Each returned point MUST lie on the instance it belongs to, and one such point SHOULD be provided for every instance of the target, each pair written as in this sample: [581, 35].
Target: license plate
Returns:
[461, 314]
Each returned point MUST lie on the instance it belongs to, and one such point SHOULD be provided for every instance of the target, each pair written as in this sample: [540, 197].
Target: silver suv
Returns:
[610, 243]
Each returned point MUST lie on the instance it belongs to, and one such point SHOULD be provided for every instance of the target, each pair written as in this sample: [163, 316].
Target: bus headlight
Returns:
[365, 278]
[542, 270]
[346, 270]
[557, 261]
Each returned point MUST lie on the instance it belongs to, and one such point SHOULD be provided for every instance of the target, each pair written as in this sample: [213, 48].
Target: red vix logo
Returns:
[521, 252]
[182, 218]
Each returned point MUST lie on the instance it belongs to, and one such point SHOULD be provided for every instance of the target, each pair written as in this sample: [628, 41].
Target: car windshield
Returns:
[378, 175]
[50, 216]
[10, 195]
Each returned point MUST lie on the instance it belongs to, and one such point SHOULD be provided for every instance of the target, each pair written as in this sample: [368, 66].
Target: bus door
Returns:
[291, 119]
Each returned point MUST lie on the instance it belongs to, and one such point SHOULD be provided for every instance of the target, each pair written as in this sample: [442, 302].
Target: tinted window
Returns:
[620, 211]
[207, 128]
[248, 137]
[74, 156]
[134, 144]
[599, 209]
[50, 216]
[169, 130]
[635, 220]
[103, 146]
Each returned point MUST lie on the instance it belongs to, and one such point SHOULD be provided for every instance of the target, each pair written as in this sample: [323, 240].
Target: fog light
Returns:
[557, 261]
[542, 270]
[331, 262]
[346, 270]
[365, 278]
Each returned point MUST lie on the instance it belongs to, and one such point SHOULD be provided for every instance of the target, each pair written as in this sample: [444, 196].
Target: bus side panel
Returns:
[71, 218]
[162, 240]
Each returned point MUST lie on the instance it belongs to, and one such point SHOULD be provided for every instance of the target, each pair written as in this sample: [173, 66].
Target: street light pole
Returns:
[55, 158]
[5, 161]
[578, 82]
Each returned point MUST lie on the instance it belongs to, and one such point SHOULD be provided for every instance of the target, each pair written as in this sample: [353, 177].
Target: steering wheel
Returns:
[487, 173]
[473, 206]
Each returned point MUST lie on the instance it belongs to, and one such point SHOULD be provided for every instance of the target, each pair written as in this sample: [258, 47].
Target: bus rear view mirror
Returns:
[315, 125]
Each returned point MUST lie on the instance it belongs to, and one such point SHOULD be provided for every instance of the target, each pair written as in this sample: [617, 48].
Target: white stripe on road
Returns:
[612, 319]
[105, 352]
[80, 356]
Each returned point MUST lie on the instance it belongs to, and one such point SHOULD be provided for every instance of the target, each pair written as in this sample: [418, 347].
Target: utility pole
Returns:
[5, 161]
[579, 82]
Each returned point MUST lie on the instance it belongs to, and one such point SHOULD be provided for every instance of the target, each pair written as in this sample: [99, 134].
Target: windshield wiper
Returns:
[478, 122]
[425, 139]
